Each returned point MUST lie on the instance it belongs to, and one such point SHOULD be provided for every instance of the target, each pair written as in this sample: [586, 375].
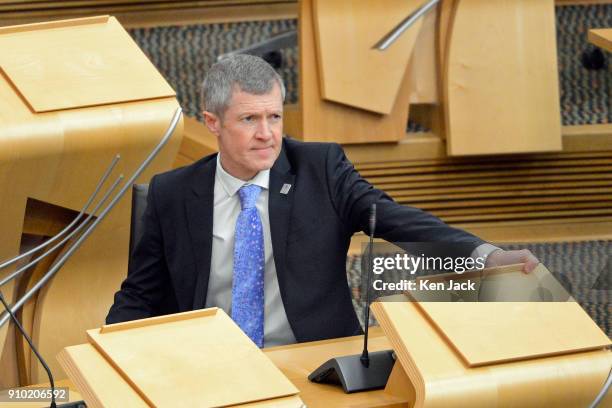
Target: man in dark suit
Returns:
[262, 229]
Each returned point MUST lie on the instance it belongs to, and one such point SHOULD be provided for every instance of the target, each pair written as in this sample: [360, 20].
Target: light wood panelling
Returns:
[478, 185]
[501, 188]
[501, 91]
[296, 361]
[507, 193]
[57, 158]
[541, 197]
[320, 120]
[546, 187]
[174, 375]
[537, 329]
[71, 58]
[558, 201]
[429, 362]
[351, 72]
[437, 120]
[44, 219]
[424, 63]
[525, 231]
[528, 174]
[26, 317]
[150, 13]
[426, 145]
[444, 18]
[39, 172]
[569, 229]
[165, 12]
[602, 38]
[97, 380]
[197, 142]
[106, 389]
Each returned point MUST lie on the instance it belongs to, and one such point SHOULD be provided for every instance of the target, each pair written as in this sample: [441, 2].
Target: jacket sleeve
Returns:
[148, 277]
[353, 197]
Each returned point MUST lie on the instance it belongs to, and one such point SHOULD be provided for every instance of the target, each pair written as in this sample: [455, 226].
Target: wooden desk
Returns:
[296, 361]
[601, 37]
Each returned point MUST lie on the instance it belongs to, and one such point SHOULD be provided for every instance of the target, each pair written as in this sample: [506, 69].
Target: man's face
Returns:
[250, 133]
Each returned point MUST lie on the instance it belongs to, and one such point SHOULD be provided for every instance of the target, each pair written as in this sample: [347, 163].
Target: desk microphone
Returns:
[365, 356]
[366, 372]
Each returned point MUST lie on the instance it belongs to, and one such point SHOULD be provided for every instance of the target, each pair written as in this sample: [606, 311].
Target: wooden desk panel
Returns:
[601, 37]
[501, 92]
[345, 34]
[297, 361]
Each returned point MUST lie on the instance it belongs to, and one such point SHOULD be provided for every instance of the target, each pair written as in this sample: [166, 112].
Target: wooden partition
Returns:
[500, 78]
[519, 169]
[318, 119]
[165, 12]
[509, 351]
[140, 361]
[147, 13]
[73, 95]
[350, 70]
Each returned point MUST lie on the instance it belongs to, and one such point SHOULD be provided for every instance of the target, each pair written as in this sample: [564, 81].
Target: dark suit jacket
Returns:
[311, 228]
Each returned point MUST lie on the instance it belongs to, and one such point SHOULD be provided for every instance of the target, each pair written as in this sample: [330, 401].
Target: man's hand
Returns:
[500, 257]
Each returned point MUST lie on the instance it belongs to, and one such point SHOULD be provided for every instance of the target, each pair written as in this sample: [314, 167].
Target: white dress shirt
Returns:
[277, 330]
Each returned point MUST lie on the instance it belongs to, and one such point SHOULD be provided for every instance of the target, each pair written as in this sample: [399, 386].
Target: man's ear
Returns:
[213, 122]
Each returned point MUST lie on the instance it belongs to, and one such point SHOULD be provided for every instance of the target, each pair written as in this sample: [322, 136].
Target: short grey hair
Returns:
[250, 73]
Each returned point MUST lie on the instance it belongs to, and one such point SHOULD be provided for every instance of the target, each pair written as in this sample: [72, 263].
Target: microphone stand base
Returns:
[349, 372]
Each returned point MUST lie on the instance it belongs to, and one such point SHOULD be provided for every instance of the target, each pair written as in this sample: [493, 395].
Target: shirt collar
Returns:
[231, 184]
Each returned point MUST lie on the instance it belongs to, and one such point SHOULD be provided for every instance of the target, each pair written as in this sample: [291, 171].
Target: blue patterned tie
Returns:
[248, 284]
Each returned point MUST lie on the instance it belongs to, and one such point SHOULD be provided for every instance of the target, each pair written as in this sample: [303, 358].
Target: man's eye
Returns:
[248, 119]
[276, 117]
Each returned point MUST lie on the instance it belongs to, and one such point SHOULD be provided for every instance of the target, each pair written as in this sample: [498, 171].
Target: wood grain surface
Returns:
[601, 37]
[64, 66]
[316, 119]
[501, 88]
[442, 379]
[351, 72]
[197, 354]
[57, 159]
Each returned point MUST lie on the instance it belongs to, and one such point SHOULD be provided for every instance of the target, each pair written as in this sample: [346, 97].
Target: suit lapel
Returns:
[200, 219]
[279, 210]
[199, 212]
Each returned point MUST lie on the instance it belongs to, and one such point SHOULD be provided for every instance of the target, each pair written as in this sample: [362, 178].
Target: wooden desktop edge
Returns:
[464, 359]
[109, 328]
[54, 24]
[374, 331]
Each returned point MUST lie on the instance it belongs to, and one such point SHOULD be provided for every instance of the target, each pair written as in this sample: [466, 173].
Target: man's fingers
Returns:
[524, 256]
[530, 265]
[529, 260]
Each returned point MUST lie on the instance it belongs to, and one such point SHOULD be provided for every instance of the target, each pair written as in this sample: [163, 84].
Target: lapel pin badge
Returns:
[286, 188]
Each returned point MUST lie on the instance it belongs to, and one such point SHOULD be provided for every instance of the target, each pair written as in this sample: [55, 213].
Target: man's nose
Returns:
[264, 130]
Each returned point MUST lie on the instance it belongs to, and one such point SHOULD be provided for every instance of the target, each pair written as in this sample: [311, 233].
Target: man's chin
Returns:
[265, 159]
[265, 166]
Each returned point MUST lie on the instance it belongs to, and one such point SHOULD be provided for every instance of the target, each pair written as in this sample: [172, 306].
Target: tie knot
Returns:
[248, 195]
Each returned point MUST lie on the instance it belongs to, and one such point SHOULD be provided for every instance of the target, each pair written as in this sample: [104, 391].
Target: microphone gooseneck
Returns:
[365, 357]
